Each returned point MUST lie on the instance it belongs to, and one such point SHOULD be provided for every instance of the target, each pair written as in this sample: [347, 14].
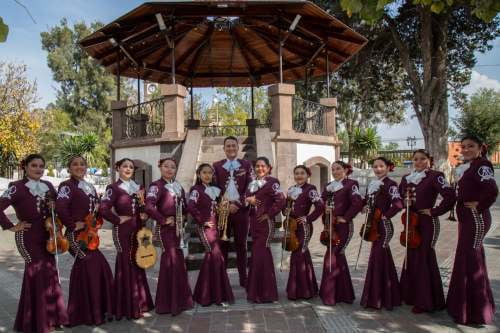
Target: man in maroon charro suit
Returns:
[233, 176]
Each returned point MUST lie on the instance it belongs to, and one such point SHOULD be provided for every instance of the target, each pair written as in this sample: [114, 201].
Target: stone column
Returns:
[329, 117]
[173, 110]
[118, 119]
[252, 125]
[281, 107]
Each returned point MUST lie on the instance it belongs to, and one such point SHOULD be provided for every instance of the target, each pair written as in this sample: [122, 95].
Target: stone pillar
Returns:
[329, 117]
[252, 125]
[173, 110]
[281, 107]
[118, 121]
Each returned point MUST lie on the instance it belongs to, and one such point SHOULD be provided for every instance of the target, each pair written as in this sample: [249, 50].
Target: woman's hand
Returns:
[341, 219]
[302, 219]
[124, 219]
[21, 226]
[426, 211]
[209, 224]
[233, 208]
[252, 200]
[143, 216]
[79, 225]
[471, 204]
[263, 217]
[364, 210]
[170, 220]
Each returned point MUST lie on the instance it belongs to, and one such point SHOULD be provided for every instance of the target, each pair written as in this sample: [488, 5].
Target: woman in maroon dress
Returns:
[121, 206]
[91, 282]
[165, 203]
[213, 284]
[41, 304]
[266, 200]
[343, 195]
[302, 280]
[470, 300]
[381, 282]
[421, 284]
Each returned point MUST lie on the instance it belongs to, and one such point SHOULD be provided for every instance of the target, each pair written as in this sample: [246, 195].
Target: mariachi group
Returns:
[234, 198]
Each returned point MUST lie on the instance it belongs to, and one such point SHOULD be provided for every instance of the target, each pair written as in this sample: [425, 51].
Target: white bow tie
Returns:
[294, 192]
[212, 191]
[37, 188]
[129, 186]
[231, 165]
[374, 186]
[256, 184]
[416, 177]
[460, 170]
[174, 188]
[86, 187]
[334, 186]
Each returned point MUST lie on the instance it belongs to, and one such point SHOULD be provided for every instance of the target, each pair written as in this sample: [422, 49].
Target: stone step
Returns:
[219, 140]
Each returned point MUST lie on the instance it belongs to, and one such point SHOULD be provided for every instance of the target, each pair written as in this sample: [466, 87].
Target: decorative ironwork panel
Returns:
[309, 117]
[144, 120]
[234, 130]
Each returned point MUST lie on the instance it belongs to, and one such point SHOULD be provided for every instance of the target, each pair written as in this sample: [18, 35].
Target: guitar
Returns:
[145, 253]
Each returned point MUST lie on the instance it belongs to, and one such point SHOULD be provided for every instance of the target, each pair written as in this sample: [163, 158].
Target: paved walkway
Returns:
[284, 316]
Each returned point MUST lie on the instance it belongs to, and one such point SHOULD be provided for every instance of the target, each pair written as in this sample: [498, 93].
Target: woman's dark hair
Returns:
[123, 160]
[303, 167]
[27, 160]
[479, 141]
[390, 165]
[230, 138]
[346, 166]
[74, 157]
[266, 161]
[427, 154]
[198, 177]
[162, 160]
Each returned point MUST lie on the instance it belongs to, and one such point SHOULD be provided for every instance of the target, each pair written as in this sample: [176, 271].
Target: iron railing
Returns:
[225, 130]
[309, 117]
[144, 119]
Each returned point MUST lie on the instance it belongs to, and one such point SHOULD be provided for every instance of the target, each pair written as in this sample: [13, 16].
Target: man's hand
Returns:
[21, 226]
[252, 200]
[170, 220]
[209, 224]
[143, 216]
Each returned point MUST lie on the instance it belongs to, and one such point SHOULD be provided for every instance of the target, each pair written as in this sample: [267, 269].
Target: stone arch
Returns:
[143, 173]
[321, 171]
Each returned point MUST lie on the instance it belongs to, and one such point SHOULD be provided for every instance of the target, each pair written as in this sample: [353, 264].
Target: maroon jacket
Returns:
[75, 201]
[348, 202]
[123, 203]
[160, 203]
[243, 177]
[426, 193]
[478, 184]
[388, 199]
[272, 200]
[201, 207]
[302, 205]
[28, 207]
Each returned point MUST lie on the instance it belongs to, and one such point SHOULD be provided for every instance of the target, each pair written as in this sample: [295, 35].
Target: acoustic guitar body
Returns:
[145, 255]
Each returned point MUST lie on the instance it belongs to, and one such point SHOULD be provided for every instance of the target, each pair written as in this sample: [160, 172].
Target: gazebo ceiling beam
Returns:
[245, 59]
[254, 53]
[195, 46]
[197, 55]
[315, 54]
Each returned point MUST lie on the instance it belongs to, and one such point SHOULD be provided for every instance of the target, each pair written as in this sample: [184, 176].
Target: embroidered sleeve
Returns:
[151, 205]
[486, 186]
[107, 203]
[7, 199]
[393, 191]
[355, 190]
[63, 206]
[192, 206]
[152, 192]
[442, 187]
[194, 195]
[319, 206]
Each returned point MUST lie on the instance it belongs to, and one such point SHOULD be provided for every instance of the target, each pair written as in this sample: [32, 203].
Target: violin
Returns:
[57, 243]
[369, 229]
[290, 242]
[329, 237]
[88, 238]
[143, 251]
[410, 236]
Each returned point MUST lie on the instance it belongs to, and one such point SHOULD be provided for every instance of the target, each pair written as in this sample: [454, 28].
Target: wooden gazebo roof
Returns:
[223, 43]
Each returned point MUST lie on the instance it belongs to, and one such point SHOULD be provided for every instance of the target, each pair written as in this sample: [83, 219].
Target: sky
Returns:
[23, 46]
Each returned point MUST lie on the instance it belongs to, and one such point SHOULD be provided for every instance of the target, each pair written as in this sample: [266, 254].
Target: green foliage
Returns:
[4, 31]
[480, 116]
[50, 171]
[391, 146]
[85, 145]
[55, 125]
[365, 143]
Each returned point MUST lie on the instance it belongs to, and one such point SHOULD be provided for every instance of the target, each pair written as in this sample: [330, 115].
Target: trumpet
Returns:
[179, 223]
[223, 212]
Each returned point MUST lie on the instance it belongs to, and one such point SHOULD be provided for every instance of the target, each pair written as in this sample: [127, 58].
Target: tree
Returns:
[85, 145]
[19, 125]
[480, 116]
[391, 146]
[365, 144]
[4, 31]
[435, 41]
[55, 124]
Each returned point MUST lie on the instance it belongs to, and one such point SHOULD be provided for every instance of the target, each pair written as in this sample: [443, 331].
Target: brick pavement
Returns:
[283, 316]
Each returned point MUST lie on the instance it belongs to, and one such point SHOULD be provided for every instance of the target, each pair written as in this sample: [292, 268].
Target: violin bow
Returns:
[407, 223]
[364, 232]
[332, 203]
[289, 209]
[52, 215]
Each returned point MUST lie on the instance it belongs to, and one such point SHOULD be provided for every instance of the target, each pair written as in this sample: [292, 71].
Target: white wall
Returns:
[148, 154]
[306, 151]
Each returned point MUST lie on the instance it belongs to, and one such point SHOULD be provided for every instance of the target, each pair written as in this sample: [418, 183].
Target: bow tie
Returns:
[415, 177]
[231, 165]
[212, 191]
[129, 186]
[294, 192]
[374, 186]
[174, 188]
[37, 188]
[256, 184]
[334, 186]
